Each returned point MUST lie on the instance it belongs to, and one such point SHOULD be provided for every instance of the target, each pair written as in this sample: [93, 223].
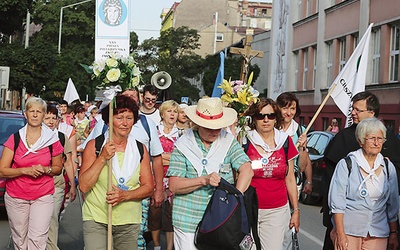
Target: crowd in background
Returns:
[167, 158]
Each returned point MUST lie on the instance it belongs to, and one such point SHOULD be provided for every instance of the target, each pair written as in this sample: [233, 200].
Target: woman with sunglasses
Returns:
[273, 173]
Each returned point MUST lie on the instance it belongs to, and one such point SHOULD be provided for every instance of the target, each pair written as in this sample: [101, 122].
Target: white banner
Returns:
[351, 79]
[112, 28]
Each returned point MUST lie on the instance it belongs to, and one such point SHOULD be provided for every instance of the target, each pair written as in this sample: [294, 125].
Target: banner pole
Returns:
[109, 187]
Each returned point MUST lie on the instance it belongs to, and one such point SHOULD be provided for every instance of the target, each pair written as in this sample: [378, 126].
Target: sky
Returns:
[145, 21]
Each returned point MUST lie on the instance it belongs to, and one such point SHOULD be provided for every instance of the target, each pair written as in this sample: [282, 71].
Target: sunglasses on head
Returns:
[261, 116]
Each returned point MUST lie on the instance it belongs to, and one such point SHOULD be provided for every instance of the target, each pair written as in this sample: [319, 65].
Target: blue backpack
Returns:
[225, 222]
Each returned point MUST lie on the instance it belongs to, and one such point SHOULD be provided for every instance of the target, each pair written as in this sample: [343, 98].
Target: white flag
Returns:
[70, 93]
[351, 79]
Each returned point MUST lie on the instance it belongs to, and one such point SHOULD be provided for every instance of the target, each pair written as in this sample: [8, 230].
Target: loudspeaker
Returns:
[161, 80]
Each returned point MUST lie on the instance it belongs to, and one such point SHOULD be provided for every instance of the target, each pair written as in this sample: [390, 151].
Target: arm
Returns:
[116, 196]
[245, 175]
[71, 176]
[181, 185]
[7, 172]
[165, 158]
[341, 241]
[304, 159]
[291, 186]
[92, 165]
[158, 170]
[308, 186]
[73, 142]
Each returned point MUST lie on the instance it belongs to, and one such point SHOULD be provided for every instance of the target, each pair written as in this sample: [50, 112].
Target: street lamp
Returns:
[61, 16]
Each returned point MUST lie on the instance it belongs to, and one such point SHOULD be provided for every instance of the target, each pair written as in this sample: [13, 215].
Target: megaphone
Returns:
[161, 80]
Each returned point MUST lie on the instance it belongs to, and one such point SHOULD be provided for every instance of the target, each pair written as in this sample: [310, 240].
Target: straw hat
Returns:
[209, 113]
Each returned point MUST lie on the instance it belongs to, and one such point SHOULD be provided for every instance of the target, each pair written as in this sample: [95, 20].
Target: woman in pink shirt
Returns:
[29, 169]
[273, 178]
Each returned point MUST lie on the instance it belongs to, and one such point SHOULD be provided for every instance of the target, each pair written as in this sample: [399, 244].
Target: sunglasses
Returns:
[261, 116]
[147, 99]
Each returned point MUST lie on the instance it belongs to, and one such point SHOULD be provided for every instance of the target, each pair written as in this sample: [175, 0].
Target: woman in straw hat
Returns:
[272, 152]
[203, 155]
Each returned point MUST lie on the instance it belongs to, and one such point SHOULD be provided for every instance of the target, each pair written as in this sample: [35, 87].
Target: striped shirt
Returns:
[188, 209]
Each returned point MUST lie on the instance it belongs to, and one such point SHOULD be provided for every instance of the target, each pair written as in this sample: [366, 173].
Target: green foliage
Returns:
[12, 15]
[231, 71]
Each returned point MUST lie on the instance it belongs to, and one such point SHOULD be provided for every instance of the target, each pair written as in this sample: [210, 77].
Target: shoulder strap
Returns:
[17, 138]
[299, 131]
[141, 150]
[387, 166]
[246, 145]
[286, 149]
[61, 137]
[105, 127]
[98, 143]
[145, 124]
[348, 163]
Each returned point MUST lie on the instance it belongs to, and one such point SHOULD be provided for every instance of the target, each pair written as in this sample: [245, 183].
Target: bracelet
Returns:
[309, 182]
[394, 232]
[296, 209]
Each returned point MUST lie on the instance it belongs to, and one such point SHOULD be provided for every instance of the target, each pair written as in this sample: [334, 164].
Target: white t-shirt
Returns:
[155, 116]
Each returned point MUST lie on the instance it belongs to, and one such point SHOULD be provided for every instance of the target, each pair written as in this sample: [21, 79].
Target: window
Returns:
[394, 54]
[342, 59]
[329, 66]
[356, 40]
[220, 37]
[296, 70]
[315, 68]
[299, 9]
[376, 44]
[264, 11]
[305, 71]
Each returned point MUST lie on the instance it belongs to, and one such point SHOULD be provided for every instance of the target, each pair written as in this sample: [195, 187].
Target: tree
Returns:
[12, 16]
[231, 71]
[173, 52]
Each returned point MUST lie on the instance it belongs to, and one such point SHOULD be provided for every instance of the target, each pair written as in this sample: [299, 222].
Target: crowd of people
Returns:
[166, 161]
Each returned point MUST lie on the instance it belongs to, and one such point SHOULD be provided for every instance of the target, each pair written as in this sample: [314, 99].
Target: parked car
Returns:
[10, 122]
[316, 145]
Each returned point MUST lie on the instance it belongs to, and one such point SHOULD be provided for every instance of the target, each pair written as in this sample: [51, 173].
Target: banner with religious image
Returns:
[112, 28]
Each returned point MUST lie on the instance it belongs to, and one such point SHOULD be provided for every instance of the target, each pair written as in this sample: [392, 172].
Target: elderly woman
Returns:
[363, 195]
[160, 218]
[272, 152]
[203, 155]
[30, 160]
[131, 181]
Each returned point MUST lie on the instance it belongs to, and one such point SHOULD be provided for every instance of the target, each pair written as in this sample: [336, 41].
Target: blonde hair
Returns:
[36, 101]
[170, 104]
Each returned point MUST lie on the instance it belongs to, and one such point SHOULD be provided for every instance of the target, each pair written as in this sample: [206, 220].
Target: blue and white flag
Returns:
[217, 92]
[351, 79]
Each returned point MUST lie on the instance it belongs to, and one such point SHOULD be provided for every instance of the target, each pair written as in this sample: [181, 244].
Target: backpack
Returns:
[225, 224]
[100, 140]
[349, 165]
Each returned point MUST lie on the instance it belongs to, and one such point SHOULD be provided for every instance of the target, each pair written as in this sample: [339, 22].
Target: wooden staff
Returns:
[318, 111]
[109, 181]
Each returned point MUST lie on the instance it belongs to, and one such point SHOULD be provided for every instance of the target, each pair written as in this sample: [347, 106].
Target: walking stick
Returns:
[109, 180]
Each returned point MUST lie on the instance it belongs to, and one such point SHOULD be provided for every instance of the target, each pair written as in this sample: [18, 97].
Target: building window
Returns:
[264, 11]
[299, 9]
[315, 68]
[376, 44]
[394, 54]
[342, 53]
[220, 37]
[329, 66]
[305, 70]
[296, 70]
[356, 40]
[308, 9]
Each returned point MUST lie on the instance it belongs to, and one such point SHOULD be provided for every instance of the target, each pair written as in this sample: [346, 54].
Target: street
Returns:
[70, 234]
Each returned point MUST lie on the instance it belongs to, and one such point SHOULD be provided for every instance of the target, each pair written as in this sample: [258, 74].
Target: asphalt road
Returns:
[70, 234]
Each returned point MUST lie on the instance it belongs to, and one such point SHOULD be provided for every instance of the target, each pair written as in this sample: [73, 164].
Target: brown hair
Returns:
[255, 108]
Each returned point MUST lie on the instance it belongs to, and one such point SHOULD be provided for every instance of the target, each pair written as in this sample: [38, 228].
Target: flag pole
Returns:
[109, 180]
[318, 110]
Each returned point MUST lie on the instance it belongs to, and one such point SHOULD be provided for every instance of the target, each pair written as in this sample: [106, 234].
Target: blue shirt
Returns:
[361, 216]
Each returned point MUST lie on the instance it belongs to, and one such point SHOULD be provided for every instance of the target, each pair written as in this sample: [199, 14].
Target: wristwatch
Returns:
[49, 170]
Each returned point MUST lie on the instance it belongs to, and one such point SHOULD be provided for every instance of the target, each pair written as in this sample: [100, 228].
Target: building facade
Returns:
[311, 42]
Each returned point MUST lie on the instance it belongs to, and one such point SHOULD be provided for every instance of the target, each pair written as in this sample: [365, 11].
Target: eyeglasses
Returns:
[375, 139]
[261, 116]
[359, 110]
[147, 99]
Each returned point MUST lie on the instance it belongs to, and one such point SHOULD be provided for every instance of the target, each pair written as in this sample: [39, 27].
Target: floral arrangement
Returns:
[115, 70]
[239, 96]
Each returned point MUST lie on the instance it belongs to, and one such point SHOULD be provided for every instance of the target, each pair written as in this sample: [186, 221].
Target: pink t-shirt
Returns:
[269, 181]
[26, 187]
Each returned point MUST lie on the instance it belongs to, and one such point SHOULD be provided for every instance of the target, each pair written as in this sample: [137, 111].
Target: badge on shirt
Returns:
[224, 168]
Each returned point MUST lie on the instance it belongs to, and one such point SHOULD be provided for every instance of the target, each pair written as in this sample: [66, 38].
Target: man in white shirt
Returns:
[148, 108]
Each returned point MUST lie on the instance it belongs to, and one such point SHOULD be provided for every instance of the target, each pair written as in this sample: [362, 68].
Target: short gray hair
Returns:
[369, 126]
[36, 100]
